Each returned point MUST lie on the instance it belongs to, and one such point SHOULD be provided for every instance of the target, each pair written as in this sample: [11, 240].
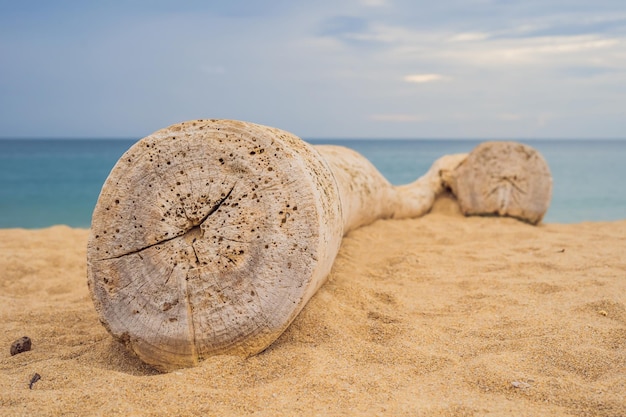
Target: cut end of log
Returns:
[503, 179]
[209, 237]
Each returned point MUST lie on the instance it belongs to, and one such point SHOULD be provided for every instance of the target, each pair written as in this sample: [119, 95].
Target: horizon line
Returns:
[344, 138]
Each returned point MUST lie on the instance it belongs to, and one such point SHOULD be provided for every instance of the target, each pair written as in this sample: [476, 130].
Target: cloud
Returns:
[508, 63]
[541, 52]
[375, 3]
[557, 45]
[572, 25]
[423, 78]
[469, 37]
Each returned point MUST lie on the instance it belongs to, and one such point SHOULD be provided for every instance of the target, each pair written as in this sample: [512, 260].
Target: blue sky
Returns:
[487, 69]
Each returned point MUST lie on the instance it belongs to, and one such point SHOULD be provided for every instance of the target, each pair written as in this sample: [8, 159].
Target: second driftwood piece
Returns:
[210, 236]
[504, 179]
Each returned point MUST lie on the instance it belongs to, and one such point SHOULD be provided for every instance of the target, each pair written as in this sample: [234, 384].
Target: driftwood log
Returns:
[503, 179]
[210, 236]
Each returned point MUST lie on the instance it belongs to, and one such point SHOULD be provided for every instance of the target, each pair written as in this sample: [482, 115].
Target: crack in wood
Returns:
[182, 233]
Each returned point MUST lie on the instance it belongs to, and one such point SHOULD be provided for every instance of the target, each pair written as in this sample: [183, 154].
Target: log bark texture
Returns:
[367, 196]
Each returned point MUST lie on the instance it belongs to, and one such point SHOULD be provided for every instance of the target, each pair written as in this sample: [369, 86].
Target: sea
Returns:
[45, 182]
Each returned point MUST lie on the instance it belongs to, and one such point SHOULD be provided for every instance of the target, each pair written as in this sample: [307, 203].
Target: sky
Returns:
[482, 69]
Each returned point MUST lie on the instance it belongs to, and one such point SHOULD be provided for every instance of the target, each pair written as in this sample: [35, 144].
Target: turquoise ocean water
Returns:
[44, 182]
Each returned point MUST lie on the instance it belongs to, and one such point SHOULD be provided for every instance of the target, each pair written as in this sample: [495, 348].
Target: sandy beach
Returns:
[437, 316]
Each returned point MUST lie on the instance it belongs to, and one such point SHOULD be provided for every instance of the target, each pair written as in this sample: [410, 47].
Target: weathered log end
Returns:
[504, 179]
[208, 238]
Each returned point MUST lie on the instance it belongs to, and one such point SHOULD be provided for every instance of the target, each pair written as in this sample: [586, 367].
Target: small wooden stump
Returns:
[504, 179]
